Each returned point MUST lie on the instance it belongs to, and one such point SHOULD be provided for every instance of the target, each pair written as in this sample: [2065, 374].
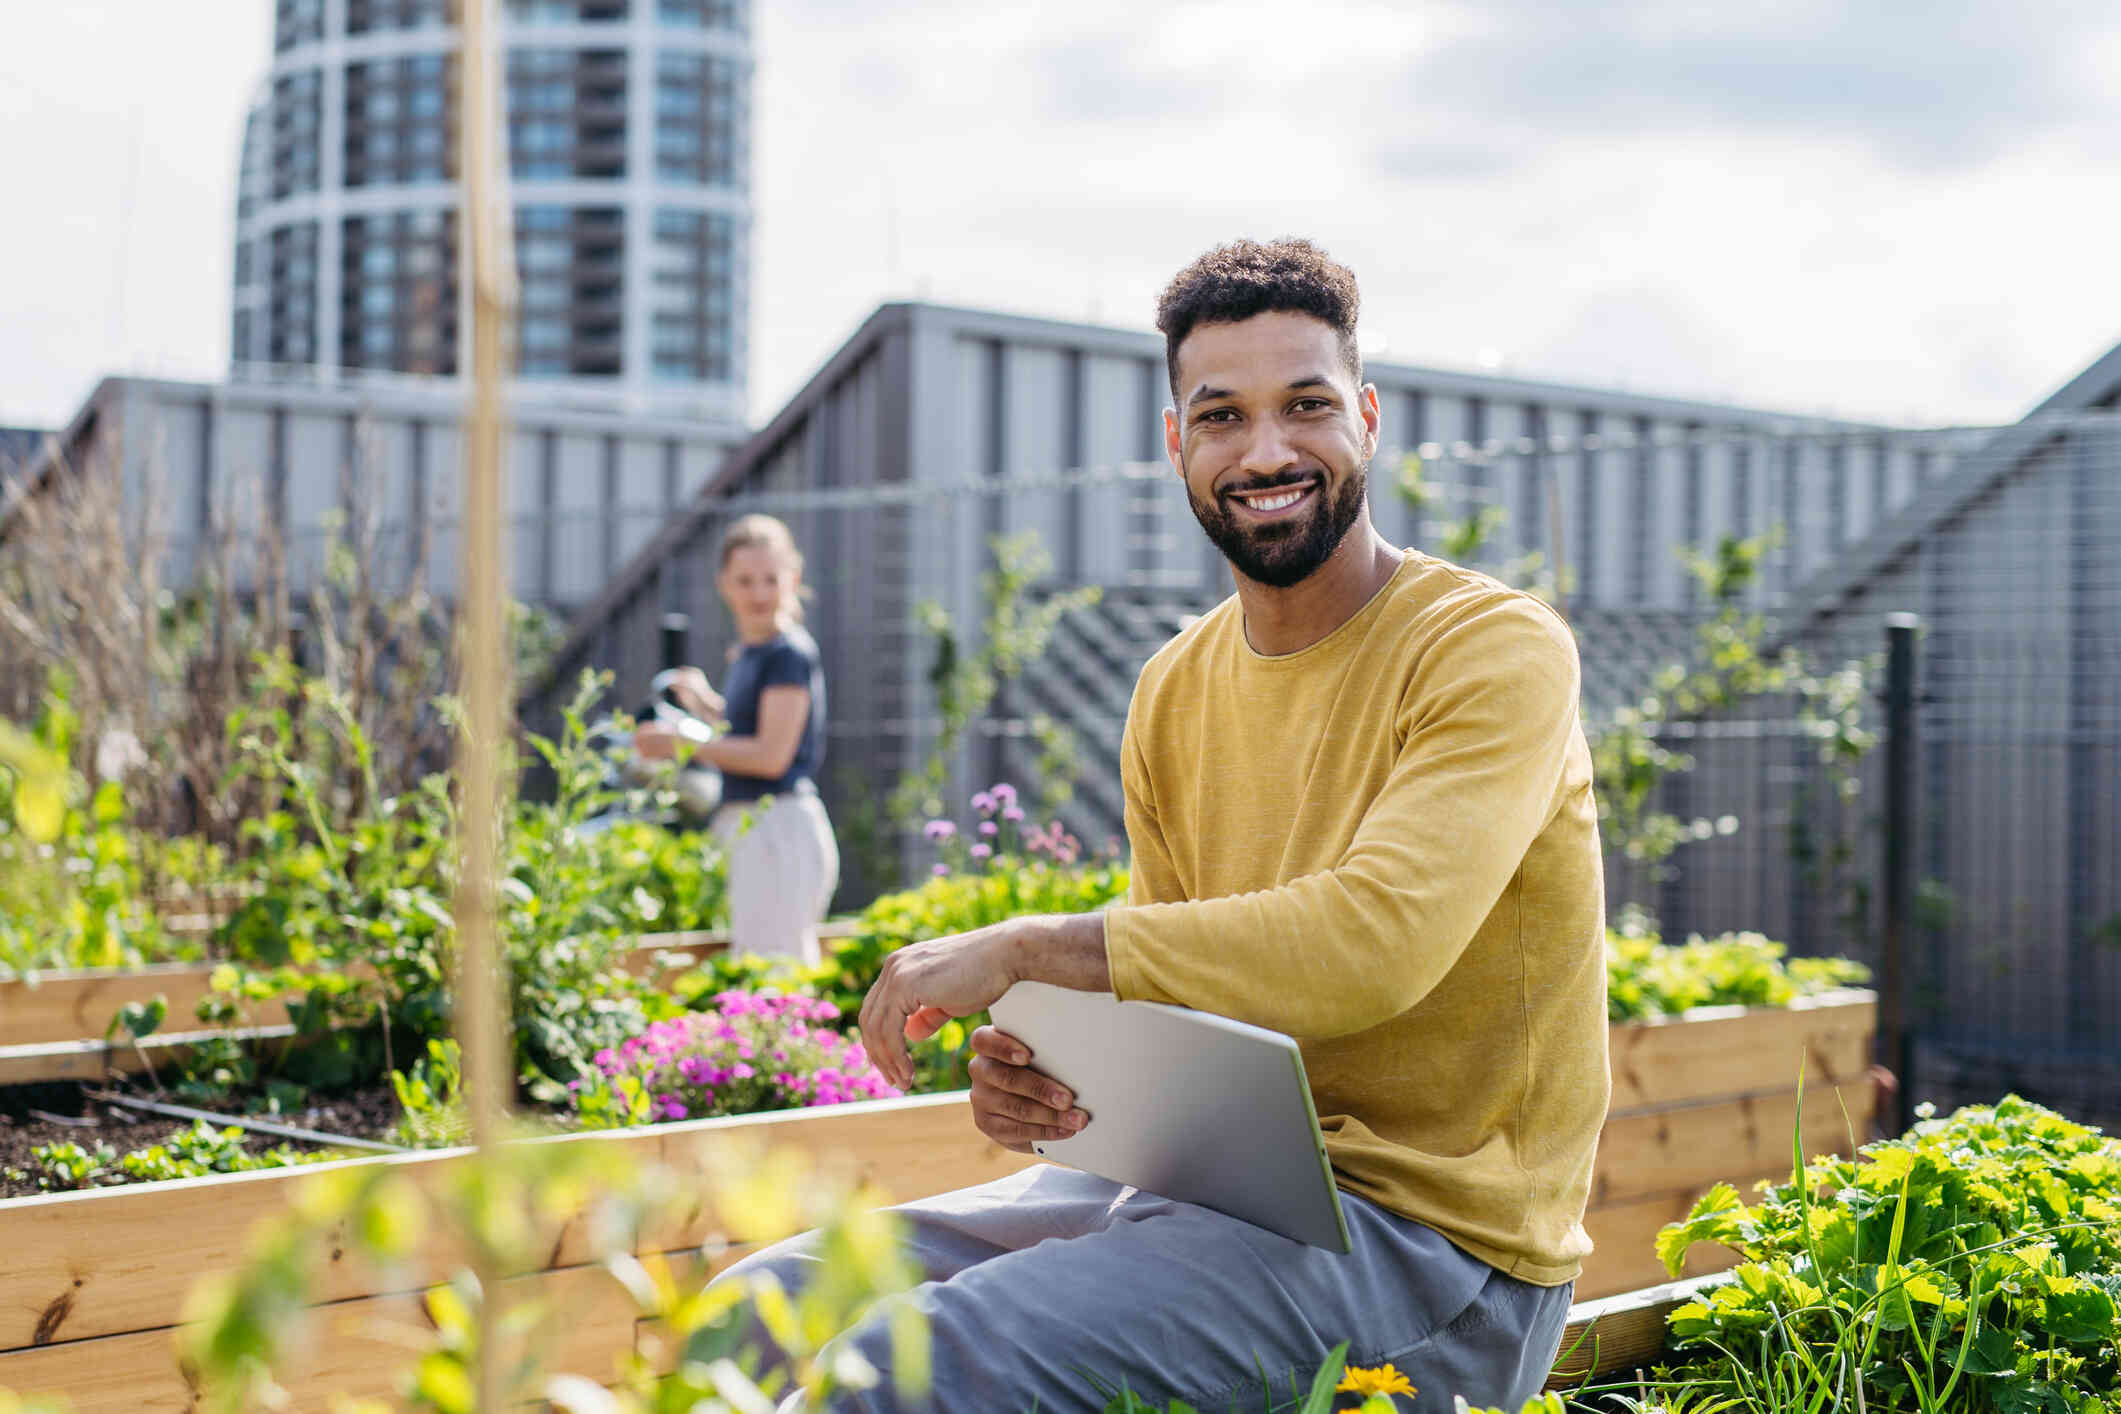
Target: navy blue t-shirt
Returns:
[788, 659]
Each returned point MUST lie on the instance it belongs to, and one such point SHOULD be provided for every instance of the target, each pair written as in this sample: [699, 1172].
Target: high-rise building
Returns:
[629, 157]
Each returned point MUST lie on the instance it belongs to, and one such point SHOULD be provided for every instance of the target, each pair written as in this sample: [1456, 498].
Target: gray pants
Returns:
[1039, 1279]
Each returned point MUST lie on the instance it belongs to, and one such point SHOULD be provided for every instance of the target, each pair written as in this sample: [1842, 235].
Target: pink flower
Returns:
[1013, 814]
[984, 803]
[940, 870]
[1005, 793]
[982, 851]
[939, 830]
[989, 828]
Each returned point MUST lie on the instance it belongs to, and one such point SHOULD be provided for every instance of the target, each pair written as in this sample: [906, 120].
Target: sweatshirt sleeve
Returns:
[1485, 725]
[1152, 875]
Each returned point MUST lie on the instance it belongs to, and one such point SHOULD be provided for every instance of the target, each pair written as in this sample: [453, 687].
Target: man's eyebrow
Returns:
[1204, 393]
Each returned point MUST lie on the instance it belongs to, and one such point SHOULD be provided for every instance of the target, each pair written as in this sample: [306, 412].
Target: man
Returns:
[1359, 804]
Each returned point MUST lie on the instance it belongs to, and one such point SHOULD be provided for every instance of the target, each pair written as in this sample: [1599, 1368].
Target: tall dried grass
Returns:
[166, 645]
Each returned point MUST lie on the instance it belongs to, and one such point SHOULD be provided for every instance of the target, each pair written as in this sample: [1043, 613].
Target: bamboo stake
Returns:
[481, 984]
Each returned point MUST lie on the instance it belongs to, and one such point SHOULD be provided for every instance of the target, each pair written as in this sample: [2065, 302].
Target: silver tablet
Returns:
[1184, 1104]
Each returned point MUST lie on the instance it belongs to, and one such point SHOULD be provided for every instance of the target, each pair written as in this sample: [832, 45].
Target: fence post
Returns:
[1896, 1048]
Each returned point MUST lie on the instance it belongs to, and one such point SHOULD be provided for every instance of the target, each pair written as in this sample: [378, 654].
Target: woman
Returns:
[784, 866]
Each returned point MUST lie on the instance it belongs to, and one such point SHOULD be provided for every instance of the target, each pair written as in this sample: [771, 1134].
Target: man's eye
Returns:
[1219, 415]
[1310, 404]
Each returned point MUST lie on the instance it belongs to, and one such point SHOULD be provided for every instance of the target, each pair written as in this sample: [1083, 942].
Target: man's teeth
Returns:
[1277, 500]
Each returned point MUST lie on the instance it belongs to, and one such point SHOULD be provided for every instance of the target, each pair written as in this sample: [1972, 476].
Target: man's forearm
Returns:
[1065, 949]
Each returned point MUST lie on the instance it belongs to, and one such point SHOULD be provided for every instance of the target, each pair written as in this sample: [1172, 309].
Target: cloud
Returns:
[1926, 85]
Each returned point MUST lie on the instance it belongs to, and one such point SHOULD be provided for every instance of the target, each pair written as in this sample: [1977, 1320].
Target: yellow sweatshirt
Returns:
[1385, 845]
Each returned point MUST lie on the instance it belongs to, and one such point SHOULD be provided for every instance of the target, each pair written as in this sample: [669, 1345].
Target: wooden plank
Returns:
[1621, 1332]
[117, 1260]
[1624, 1241]
[360, 1349]
[79, 1005]
[76, 1006]
[1718, 1052]
[93, 1061]
[1693, 1146]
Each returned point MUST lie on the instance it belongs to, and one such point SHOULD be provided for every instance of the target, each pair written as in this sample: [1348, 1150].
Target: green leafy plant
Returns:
[71, 888]
[1014, 629]
[430, 1095]
[1629, 759]
[189, 1153]
[1646, 976]
[352, 916]
[1972, 1265]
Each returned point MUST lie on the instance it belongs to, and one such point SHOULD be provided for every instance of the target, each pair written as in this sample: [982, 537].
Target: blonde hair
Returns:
[764, 532]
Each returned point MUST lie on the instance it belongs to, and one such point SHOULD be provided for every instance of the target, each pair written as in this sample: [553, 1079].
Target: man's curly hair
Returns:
[1244, 278]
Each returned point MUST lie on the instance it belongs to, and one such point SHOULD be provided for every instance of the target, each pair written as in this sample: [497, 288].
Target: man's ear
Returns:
[1372, 419]
[1172, 447]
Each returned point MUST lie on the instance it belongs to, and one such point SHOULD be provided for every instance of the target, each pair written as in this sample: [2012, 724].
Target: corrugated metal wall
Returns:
[586, 490]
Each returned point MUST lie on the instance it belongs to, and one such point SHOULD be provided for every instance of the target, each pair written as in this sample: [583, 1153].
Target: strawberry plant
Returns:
[1973, 1264]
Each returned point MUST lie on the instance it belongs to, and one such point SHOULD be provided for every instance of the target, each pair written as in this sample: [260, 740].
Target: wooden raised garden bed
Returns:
[91, 1294]
[1711, 1097]
[53, 1028]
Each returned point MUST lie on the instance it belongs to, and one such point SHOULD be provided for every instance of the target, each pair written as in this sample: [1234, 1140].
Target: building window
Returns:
[700, 129]
[566, 114]
[693, 338]
[295, 110]
[567, 12]
[731, 15]
[296, 22]
[398, 292]
[570, 266]
[398, 114]
[364, 16]
[291, 294]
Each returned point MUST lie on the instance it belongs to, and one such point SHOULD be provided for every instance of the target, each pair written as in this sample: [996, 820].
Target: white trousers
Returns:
[782, 871]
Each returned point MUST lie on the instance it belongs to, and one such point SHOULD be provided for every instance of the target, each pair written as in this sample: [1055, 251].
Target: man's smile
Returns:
[1273, 502]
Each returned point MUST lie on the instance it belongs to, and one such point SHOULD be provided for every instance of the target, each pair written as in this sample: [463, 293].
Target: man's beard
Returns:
[1285, 552]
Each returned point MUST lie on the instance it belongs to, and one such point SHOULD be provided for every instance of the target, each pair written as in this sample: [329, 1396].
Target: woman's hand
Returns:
[654, 741]
[696, 695]
[1012, 1104]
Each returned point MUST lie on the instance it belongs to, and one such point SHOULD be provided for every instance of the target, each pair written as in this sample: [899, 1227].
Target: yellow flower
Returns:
[1382, 1380]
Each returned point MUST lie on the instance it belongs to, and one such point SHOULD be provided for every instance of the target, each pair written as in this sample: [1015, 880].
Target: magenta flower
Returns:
[984, 803]
[989, 829]
[1005, 793]
[1014, 814]
[983, 851]
[939, 830]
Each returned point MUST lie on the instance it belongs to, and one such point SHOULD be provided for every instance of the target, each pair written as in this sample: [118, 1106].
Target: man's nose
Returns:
[1269, 448]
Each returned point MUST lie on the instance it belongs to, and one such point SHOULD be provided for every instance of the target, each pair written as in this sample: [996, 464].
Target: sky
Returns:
[1892, 209]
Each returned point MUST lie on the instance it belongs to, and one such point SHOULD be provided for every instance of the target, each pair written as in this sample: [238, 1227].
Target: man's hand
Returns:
[923, 985]
[1012, 1104]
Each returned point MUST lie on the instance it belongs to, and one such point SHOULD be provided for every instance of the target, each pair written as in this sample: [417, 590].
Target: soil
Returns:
[63, 1112]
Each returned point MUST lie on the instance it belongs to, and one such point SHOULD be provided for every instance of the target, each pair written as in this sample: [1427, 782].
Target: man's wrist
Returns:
[1064, 949]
